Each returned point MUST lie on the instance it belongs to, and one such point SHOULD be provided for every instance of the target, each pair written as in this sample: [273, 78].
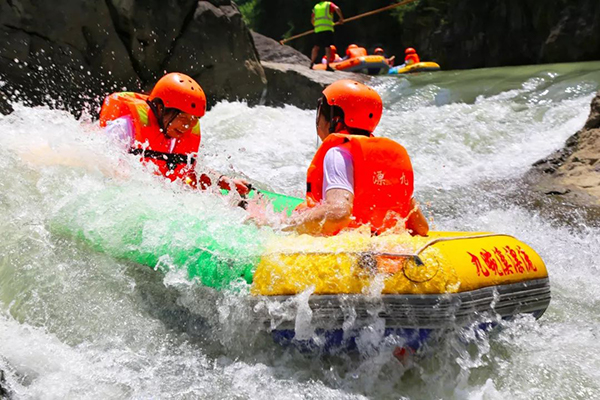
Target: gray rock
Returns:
[5, 107]
[573, 172]
[271, 50]
[299, 85]
[5, 393]
[66, 50]
[79, 51]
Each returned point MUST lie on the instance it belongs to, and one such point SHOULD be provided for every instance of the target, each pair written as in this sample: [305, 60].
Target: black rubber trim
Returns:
[418, 311]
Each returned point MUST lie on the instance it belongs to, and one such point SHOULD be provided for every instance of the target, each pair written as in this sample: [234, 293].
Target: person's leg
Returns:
[314, 54]
[328, 54]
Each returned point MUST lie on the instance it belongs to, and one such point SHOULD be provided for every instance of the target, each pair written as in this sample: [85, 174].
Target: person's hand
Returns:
[242, 186]
[341, 21]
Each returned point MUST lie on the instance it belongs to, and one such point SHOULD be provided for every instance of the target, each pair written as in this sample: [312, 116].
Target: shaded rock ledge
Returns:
[5, 393]
[289, 78]
[299, 85]
[69, 53]
[572, 173]
[270, 50]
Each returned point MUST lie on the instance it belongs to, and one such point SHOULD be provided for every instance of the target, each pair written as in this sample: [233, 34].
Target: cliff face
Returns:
[71, 52]
[574, 171]
[455, 33]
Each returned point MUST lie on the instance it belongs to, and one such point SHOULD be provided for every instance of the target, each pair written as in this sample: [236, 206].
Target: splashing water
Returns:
[76, 322]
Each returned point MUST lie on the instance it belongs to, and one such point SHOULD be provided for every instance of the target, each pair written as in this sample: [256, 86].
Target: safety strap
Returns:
[172, 159]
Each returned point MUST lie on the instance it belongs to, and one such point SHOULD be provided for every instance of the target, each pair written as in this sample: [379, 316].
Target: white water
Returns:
[75, 323]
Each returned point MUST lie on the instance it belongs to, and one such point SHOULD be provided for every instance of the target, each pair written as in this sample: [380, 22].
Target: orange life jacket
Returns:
[383, 179]
[412, 59]
[357, 52]
[150, 143]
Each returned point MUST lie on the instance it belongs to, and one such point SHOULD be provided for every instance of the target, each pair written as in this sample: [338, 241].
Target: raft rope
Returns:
[415, 255]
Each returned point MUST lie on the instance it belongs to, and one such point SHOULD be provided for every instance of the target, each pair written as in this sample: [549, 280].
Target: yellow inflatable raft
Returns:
[418, 282]
[425, 66]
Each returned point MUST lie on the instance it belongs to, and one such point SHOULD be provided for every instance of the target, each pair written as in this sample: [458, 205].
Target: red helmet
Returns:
[410, 50]
[333, 49]
[361, 104]
[378, 50]
[179, 91]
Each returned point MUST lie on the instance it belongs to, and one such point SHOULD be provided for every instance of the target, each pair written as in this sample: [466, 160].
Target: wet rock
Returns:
[272, 51]
[71, 53]
[573, 172]
[5, 107]
[5, 393]
[299, 85]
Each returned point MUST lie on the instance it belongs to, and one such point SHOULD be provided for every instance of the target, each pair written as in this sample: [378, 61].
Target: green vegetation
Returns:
[249, 10]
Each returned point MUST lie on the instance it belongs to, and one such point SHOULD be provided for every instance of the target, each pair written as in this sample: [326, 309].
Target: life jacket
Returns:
[173, 161]
[412, 59]
[323, 17]
[357, 52]
[383, 179]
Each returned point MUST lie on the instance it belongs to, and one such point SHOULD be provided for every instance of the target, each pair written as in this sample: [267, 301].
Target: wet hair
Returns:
[335, 115]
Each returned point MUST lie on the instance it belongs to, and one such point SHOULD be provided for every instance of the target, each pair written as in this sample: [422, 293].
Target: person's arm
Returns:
[312, 18]
[121, 131]
[332, 215]
[416, 222]
[339, 13]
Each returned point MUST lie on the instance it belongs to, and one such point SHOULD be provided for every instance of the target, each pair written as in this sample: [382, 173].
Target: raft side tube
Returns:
[329, 312]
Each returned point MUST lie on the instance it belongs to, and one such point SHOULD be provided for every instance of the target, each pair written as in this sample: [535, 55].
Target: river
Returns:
[77, 323]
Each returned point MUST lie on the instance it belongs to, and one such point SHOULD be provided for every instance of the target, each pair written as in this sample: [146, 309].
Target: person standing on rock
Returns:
[163, 128]
[322, 20]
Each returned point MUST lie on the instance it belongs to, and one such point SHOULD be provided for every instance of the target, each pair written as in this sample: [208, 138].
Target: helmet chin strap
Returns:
[334, 122]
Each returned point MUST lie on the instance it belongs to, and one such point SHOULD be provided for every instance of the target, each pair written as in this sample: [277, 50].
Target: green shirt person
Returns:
[322, 19]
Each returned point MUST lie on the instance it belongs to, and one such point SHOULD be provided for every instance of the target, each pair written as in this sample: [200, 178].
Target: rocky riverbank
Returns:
[572, 174]
[457, 34]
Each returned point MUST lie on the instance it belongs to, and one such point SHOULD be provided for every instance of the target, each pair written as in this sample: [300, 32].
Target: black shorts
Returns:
[324, 39]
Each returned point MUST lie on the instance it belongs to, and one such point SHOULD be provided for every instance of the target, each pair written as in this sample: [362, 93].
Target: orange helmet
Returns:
[410, 50]
[361, 104]
[179, 91]
[378, 50]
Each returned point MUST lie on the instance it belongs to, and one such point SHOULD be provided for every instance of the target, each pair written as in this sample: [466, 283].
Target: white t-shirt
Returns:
[122, 131]
[338, 170]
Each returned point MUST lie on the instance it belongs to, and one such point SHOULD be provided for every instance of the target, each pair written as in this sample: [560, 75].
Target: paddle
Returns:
[359, 16]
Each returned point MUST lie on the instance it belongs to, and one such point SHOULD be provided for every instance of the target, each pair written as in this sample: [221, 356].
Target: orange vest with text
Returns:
[173, 161]
[383, 179]
[357, 52]
[412, 59]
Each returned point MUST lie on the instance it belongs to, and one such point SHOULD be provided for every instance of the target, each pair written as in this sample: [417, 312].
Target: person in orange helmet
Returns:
[354, 51]
[379, 52]
[163, 128]
[356, 179]
[335, 57]
[411, 56]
